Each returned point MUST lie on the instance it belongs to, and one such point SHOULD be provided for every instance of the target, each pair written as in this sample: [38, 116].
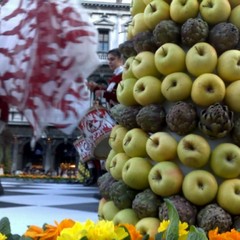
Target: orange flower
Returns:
[49, 232]
[230, 235]
[134, 234]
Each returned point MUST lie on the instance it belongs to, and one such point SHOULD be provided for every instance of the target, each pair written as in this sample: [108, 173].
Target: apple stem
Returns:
[153, 8]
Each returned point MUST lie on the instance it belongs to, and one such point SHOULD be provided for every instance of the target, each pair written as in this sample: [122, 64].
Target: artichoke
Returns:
[127, 49]
[194, 30]
[151, 118]
[182, 118]
[166, 31]
[224, 36]
[122, 195]
[212, 216]
[236, 222]
[144, 41]
[235, 133]
[216, 121]
[187, 211]
[125, 115]
[146, 204]
[104, 183]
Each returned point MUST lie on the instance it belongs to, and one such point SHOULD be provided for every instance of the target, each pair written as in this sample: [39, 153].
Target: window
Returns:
[103, 40]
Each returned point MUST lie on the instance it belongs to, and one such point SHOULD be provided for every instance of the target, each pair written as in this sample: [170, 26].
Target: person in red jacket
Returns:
[115, 62]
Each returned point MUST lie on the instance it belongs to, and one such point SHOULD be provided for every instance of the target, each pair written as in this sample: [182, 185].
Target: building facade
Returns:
[111, 19]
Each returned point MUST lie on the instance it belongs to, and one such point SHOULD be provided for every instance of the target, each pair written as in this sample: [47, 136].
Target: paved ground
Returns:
[26, 203]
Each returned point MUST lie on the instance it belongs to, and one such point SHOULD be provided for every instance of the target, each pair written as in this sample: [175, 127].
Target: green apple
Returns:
[170, 58]
[201, 58]
[235, 16]
[134, 143]
[135, 173]
[181, 10]
[102, 201]
[117, 164]
[165, 178]
[137, 6]
[176, 86]
[228, 196]
[109, 210]
[232, 96]
[147, 90]
[127, 69]
[116, 139]
[125, 216]
[143, 65]
[148, 226]
[199, 187]
[193, 150]
[228, 67]
[109, 158]
[139, 24]
[215, 11]
[207, 89]
[124, 92]
[225, 160]
[161, 146]
[234, 3]
[155, 12]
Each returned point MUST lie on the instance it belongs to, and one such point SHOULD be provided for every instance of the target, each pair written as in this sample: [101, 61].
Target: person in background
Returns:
[115, 62]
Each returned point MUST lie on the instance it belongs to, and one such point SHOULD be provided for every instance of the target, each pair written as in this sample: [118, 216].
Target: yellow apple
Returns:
[108, 160]
[144, 65]
[134, 143]
[225, 160]
[129, 31]
[232, 96]
[228, 67]
[181, 10]
[139, 24]
[161, 146]
[165, 178]
[148, 226]
[200, 187]
[127, 69]
[170, 58]
[228, 196]
[193, 150]
[208, 89]
[155, 12]
[176, 86]
[215, 11]
[102, 201]
[117, 164]
[137, 6]
[235, 16]
[147, 90]
[125, 216]
[125, 92]
[135, 173]
[116, 139]
[109, 210]
[201, 58]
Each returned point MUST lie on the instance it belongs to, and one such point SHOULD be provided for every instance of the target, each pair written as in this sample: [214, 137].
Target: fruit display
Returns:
[178, 116]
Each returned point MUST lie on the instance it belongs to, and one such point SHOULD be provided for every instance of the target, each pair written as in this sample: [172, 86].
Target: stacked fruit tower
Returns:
[178, 128]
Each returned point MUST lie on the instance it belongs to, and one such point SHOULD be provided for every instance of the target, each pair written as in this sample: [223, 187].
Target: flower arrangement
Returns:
[68, 229]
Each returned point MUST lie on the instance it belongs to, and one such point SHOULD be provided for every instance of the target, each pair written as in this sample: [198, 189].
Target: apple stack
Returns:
[181, 141]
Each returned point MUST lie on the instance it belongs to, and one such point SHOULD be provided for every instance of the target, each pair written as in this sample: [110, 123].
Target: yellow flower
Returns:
[3, 237]
[182, 228]
[163, 225]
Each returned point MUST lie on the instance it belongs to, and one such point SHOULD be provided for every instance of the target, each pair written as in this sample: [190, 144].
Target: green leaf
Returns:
[196, 234]
[159, 236]
[25, 238]
[84, 238]
[5, 226]
[145, 237]
[172, 231]
[14, 237]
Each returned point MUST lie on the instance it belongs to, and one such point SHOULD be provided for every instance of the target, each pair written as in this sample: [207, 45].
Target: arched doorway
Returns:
[33, 158]
[65, 153]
